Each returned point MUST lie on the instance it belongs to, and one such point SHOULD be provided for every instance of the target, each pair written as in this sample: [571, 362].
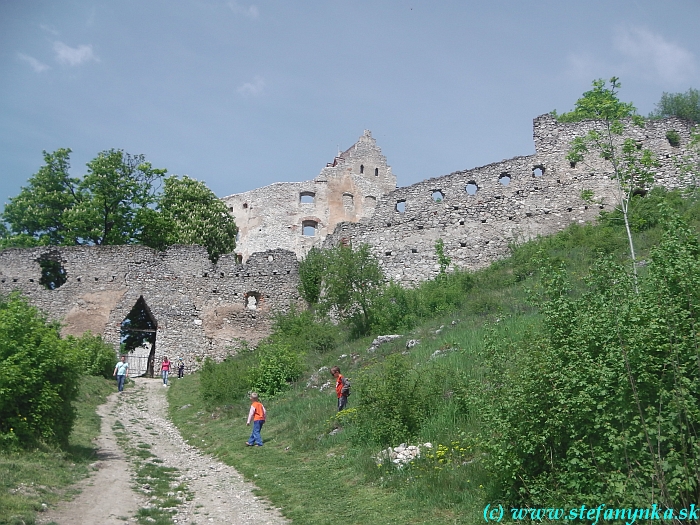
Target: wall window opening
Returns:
[504, 178]
[538, 171]
[376, 172]
[471, 187]
[53, 274]
[307, 197]
[438, 196]
[362, 168]
[252, 300]
[348, 201]
[308, 228]
[401, 206]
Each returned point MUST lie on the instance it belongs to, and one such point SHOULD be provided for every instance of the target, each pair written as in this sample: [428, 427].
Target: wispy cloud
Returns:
[666, 60]
[250, 11]
[253, 88]
[36, 65]
[583, 66]
[74, 56]
[49, 29]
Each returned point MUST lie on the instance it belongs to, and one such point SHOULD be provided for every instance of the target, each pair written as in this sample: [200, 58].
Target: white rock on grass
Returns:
[380, 340]
[401, 455]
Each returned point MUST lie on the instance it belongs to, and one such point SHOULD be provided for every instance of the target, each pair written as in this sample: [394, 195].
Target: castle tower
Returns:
[298, 215]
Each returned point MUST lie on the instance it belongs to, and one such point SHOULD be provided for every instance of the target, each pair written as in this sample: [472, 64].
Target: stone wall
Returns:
[480, 212]
[200, 308]
[298, 215]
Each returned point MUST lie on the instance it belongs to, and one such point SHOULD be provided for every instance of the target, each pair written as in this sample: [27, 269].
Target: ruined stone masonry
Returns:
[201, 309]
[298, 215]
[479, 212]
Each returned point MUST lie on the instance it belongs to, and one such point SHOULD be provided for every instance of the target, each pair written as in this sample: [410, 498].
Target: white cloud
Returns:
[36, 65]
[250, 11]
[253, 88]
[583, 66]
[49, 29]
[667, 60]
[73, 56]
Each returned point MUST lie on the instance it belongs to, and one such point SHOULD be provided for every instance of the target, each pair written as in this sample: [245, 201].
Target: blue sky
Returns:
[242, 94]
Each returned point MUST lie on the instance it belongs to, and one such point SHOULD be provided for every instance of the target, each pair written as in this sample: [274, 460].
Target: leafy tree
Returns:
[116, 186]
[100, 208]
[345, 283]
[37, 215]
[116, 202]
[189, 213]
[684, 105]
[311, 271]
[352, 286]
[631, 165]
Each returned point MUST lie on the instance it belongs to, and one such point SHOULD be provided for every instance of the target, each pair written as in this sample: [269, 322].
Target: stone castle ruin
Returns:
[479, 212]
[178, 303]
[298, 215]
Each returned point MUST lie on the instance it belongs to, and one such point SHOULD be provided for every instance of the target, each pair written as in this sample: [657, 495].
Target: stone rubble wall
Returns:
[542, 196]
[201, 309]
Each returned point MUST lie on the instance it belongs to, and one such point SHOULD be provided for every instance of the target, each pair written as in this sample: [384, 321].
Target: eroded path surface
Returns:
[216, 493]
[106, 497]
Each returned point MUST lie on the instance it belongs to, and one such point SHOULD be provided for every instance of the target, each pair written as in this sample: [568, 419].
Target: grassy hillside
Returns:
[320, 467]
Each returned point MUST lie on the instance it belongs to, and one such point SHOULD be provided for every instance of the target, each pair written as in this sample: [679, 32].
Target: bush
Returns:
[228, 381]
[304, 333]
[673, 137]
[38, 377]
[96, 358]
[602, 404]
[277, 367]
[394, 402]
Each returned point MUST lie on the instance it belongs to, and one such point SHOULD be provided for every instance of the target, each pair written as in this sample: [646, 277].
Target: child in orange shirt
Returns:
[257, 415]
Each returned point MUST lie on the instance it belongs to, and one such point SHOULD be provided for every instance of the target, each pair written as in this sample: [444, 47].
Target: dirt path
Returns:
[107, 495]
[217, 492]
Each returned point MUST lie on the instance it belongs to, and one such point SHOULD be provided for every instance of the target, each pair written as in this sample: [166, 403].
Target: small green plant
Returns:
[443, 260]
[586, 195]
[673, 137]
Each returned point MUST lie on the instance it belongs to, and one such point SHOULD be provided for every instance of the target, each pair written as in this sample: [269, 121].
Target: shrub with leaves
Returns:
[277, 367]
[228, 381]
[304, 332]
[38, 377]
[95, 357]
[603, 404]
[394, 400]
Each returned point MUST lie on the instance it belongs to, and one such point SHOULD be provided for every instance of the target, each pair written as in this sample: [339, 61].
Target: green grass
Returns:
[29, 479]
[317, 478]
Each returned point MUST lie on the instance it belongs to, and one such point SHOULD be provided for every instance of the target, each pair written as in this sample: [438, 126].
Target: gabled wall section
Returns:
[298, 215]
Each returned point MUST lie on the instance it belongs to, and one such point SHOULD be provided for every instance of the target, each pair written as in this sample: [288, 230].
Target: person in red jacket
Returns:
[342, 388]
[257, 415]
